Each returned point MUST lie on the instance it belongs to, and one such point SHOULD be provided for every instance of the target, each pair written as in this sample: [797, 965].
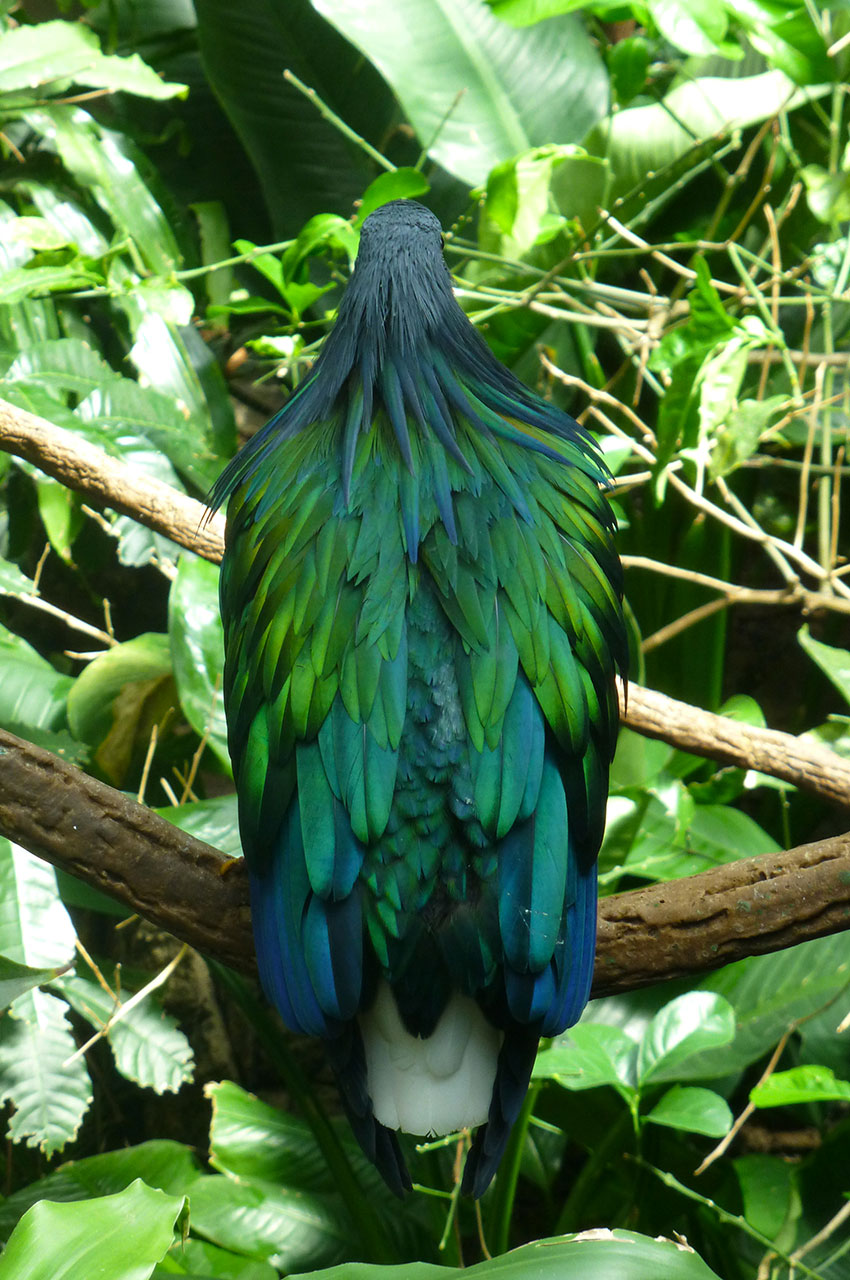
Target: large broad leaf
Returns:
[590, 1055]
[594, 1255]
[121, 1236]
[304, 164]
[519, 88]
[103, 162]
[117, 695]
[207, 1261]
[286, 1226]
[768, 994]
[197, 649]
[170, 1166]
[260, 1145]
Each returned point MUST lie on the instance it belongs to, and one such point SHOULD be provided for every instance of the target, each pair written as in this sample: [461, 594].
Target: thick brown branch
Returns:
[805, 764]
[645, 936]
[84, 467]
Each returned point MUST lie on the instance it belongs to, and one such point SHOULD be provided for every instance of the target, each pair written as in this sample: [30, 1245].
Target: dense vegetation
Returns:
[647, 208]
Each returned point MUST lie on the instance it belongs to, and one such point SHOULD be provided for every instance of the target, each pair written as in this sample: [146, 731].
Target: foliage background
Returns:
[647, 207]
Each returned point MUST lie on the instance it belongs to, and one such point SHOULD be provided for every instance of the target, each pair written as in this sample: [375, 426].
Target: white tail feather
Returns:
[435, 1085]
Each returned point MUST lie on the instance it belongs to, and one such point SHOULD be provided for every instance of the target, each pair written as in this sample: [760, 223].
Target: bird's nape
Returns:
[422, 611]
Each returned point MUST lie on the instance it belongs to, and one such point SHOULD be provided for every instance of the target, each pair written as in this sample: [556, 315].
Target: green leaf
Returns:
[16, 978]
[401, 184]
[768, 994]
[209, 1262]
[215, 821]
[769, 1187]
[834, 663]
[799, 1086]
[50, 1095]
[35, 928]
[302, 161]
[687, 1025]
[58, 53]
[61, 365]
[120, 1237]
[103, 163]
[694, 26]
[286, 1226]
[36, 233]
[250, 1139]
[431, 51]
[197, 649]
[693, 1109]
[170, 1166]
[149, 1047]
[595, 1255]
[109, 703]
[591, 1054]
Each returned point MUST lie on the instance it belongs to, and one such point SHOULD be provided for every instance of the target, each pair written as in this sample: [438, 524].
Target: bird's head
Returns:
[401, 289]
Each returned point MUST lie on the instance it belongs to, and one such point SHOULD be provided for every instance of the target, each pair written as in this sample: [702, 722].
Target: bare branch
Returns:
[805, 764]
[184, 886]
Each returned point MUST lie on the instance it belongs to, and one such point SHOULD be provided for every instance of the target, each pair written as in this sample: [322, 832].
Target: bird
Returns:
[422, 611]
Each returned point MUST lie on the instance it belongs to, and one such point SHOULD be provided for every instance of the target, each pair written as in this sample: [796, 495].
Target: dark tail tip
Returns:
[513, 1073]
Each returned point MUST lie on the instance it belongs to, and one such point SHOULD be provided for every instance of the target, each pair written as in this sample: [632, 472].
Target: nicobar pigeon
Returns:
[422, 616]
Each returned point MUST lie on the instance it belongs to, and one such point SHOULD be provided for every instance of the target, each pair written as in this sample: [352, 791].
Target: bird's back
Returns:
[422, 618]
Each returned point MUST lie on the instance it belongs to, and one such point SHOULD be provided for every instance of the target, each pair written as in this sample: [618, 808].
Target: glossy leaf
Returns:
[109, 702]
[121, 1236]
[645, 139]
[590, 1055]
[170, 1166]
[216, 821]
[285, 1226]
[687, 1025]
[768, 994]
[833, 662]
[593, 1255]
[769, 1187]
[15, 979]
[33, 695]
[799, 1086]
[693, 1109]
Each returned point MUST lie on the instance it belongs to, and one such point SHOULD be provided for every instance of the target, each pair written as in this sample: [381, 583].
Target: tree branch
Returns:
[663, 931]
[82, 466]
